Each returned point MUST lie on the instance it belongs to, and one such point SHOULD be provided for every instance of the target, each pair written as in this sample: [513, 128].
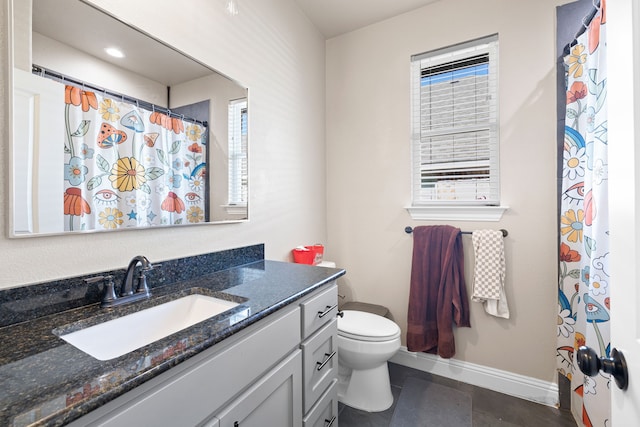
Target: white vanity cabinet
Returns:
[268, 374]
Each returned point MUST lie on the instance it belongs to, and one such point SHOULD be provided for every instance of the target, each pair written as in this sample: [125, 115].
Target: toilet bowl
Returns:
[366, 342]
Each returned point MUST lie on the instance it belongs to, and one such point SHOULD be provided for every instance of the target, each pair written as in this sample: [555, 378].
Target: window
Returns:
[455, 126]
[238, 144]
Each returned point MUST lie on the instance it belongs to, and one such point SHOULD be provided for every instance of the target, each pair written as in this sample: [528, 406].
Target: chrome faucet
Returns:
[127, 291]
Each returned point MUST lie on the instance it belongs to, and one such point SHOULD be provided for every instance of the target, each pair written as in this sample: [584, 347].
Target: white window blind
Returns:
[238, 147]
[455, 125]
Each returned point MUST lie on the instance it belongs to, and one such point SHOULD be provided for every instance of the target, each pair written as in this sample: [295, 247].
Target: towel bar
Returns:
[409, 230]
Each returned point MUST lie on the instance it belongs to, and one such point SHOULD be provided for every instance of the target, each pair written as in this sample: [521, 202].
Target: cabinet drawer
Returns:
[325, 412]
[319, 363]
[319, 310]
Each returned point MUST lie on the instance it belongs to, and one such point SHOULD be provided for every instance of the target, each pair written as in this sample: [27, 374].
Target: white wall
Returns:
[368, 159]
[271, 48]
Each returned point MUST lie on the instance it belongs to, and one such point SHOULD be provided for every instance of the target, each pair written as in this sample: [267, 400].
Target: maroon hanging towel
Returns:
[438, 293]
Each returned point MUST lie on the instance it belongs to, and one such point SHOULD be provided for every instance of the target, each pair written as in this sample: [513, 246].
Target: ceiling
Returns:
[144, 55]
[331, 17]
[335, 17]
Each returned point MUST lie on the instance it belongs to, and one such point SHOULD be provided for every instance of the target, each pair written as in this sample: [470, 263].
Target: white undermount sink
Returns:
[120, 336]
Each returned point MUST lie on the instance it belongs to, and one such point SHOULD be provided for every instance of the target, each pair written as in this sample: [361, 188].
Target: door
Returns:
[37, 155]
[623, 63]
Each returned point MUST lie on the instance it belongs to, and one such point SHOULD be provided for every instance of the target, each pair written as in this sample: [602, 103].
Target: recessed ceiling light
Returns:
[115, 52]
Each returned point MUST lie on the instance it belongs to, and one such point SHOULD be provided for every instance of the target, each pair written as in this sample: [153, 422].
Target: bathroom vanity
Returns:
[269, 360]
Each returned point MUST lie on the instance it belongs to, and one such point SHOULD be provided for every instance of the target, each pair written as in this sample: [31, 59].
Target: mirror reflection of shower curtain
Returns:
[130, 167]
[583, 287]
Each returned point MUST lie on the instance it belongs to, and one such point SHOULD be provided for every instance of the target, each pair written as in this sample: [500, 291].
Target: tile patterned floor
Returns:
[490, 409]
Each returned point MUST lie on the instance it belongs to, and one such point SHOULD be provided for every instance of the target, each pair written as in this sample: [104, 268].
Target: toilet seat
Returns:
[362, 326]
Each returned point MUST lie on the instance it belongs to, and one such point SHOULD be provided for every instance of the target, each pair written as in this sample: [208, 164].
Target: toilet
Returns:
[366, 341]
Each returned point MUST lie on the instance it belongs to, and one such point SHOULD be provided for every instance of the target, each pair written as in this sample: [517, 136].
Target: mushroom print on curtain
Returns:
[584, 281]
[130, 167]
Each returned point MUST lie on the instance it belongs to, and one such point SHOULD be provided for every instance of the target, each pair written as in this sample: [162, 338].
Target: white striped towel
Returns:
[489, 273]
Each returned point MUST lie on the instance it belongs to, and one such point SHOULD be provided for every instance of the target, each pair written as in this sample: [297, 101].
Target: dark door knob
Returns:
[589, 363]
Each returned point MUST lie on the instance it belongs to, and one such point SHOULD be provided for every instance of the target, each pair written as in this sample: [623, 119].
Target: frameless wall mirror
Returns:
[115, 130]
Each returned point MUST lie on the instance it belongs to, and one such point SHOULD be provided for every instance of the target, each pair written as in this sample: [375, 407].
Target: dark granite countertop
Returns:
[47, 382]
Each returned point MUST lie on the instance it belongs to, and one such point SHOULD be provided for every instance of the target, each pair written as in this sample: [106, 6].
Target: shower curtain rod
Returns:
[53, 75]
[409, 230]
[585, 24]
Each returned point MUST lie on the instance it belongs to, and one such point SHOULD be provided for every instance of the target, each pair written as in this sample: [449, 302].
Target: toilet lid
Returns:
[366, 326]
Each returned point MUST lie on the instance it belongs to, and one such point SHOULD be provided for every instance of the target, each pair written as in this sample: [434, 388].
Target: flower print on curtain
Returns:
[583, 286]
[129, 167]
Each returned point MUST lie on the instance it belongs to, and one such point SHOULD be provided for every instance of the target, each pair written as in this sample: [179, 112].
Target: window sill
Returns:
[457, 213]
[235, 209]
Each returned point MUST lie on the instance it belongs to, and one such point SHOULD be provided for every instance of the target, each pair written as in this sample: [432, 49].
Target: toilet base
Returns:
[367, 389]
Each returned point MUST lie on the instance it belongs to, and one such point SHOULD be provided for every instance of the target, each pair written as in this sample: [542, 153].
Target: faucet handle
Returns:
[109, 292]
[151, 267]
[142, 287]
[95, 279]
[109, 295]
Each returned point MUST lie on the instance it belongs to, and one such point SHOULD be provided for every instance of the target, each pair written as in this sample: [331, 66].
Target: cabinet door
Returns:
[274, 400]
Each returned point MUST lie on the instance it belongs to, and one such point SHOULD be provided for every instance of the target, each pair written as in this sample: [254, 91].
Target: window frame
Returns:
[425, 201]
[238, 153]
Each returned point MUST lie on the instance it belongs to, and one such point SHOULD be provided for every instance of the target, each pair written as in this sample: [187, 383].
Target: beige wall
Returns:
[269, 47]
[368, 163]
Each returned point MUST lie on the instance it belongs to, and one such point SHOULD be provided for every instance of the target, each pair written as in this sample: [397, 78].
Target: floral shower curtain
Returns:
[583, 287]
[130, 167]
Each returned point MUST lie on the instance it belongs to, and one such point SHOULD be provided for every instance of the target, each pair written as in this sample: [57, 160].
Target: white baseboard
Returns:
[505, 382]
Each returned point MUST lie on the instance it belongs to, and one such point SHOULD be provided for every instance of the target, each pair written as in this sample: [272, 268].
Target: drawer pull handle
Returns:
[330, 421]
[328, 357]
[321, 314]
